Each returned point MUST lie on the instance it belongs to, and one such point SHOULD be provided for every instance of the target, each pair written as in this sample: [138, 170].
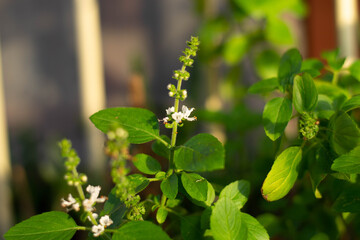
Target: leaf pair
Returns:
[227, 222]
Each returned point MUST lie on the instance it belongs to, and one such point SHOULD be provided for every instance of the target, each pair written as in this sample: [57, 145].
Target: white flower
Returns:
[177, 116]
[70, 204]
[186, 113]
[184, 93]
[94, 192]
[105, 221]
[171, 94]
[165, 119]
[97, 230]
[88, 205]
[170, 110]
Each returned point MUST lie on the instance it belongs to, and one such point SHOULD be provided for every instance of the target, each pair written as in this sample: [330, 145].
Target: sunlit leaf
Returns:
[282, 175]
[226, 222]
[237, 191]
[46, 226]
[255, 230]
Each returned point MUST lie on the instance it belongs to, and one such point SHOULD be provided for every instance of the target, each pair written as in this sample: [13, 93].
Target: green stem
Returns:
[335, 77]
[78, 186]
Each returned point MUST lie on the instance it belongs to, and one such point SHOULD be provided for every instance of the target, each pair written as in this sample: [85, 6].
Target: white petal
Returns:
[170, 110]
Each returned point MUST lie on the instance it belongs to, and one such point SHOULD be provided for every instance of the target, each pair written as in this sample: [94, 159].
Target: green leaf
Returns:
[333, 60]
[114, 208]
[146, 164]
[141, 124]
[278, 32]
[195, 185]
[305, 95]
[276, 115]
[209, 198]
[282, 175]
[235, 49]
[344, 133]
[169, 186]
[264, 86]
[202, 152]
[190, 228]
[351, 104]
[138, 182]
[225, 221]
[290, 65]
[324, 108]
[47, 226]
[161, 215]
[355, 69]
[160, 149]
[348, 163]
[319, 165]
[254, 229]
[348, 200]
[332, 91]
[140, 230]
[237, 191]
[312, 63]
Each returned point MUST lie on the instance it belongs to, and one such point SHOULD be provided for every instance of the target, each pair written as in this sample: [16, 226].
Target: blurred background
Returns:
[61, 61]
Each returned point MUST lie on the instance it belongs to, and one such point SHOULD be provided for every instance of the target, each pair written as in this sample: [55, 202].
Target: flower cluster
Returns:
[178, 94]
[308, 126]
[117, 149]
[105, 221]
[88, 203]
[177, 117]
[186, 59]
[72, 161]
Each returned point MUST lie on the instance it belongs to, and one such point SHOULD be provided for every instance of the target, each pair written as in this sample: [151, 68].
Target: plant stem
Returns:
[335, 77]
[78, 186]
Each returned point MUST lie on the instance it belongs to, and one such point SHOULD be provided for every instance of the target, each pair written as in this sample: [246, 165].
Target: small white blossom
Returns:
[94, 192]
[122, 133]
[186, 113]
[88, 205]
[165, 119]
[184, 93]
[169, 86]
[97, 230]
[171, 94]
[177, 116]
[105, 221]
[70, 204]
[170, 110]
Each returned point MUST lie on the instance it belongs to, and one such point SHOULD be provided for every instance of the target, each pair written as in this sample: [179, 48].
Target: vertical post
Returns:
[6, 217]
[92, 89]
[346, 16]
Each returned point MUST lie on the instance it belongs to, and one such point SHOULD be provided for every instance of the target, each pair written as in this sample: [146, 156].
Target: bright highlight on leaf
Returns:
[282, 175]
